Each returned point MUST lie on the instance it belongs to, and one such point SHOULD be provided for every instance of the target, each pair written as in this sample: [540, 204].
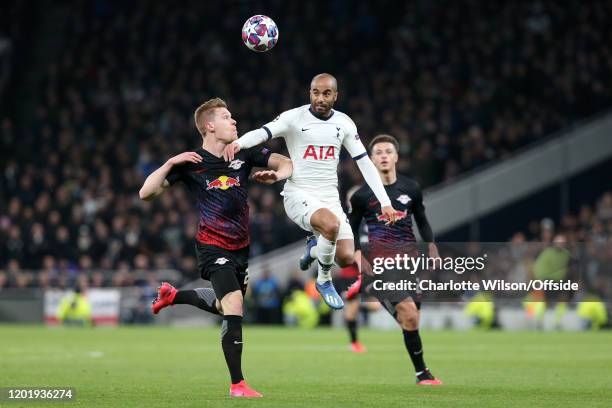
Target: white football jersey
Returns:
[314, 147]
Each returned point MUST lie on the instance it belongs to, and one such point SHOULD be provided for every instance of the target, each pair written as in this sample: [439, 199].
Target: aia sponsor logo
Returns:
[320, 153]
[400, 215]
[223, 183]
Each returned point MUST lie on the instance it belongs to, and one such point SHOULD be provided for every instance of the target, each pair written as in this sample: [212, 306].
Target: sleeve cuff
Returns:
[267, 131]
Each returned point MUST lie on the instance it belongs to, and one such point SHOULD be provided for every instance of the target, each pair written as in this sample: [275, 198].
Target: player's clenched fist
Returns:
[389, 214]
[186, 157]
[266, 177]
[231, 150]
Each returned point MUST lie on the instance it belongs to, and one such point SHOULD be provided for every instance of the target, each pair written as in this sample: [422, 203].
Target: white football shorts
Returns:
[300, 206]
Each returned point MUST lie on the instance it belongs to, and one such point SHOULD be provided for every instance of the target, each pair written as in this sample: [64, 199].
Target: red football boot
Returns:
[242, 390]
[427, 378]
[354, 289]
[165, 296]
[357, 347]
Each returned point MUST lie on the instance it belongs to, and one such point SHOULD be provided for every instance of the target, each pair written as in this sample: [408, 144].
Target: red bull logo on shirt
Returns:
[223, 183]
[399, 214]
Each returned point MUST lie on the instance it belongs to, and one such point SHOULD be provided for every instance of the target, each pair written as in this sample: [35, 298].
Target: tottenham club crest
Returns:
[236, 164]
[404, 199]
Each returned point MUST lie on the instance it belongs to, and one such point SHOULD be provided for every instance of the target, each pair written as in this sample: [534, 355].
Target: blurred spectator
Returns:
[299, 309]
[553, 262]
[593, 312]
[296, 282]
[74, 309]
[267, 299]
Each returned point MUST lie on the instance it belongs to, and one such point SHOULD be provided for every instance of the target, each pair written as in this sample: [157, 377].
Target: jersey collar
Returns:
[203, 152]
[319, 116]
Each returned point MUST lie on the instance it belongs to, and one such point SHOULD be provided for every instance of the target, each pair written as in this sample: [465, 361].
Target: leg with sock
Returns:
[352, 328]
[413, 343]
[231, 341]
[407, 315]
[351, 316]
[231, 331]
[203, 298]
[326, 252]
[326, 223]
[356, 345]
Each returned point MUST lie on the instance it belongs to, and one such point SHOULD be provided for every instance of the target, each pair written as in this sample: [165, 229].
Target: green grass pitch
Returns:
[184, 367]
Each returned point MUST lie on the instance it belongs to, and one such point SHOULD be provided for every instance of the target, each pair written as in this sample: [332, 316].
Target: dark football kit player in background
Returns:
[407, 200]
[219, 189]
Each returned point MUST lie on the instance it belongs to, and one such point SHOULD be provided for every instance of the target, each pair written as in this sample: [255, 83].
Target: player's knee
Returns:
[345, 259]
[408, 322]
[407, 316]
[324, 221]
[331, 228]
[232, 303]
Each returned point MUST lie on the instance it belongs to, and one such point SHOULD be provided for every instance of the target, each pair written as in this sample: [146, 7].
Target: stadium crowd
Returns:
[11, 27]
[460, 84]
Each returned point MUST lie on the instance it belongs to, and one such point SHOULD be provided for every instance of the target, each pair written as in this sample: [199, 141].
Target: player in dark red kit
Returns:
[407, 200]
[219, 189]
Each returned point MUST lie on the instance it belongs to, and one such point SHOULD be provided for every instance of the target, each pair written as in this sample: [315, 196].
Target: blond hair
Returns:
[206, 112]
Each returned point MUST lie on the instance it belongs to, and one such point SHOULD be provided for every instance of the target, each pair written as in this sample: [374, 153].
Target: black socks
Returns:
[352, 328]
[231, 328]
[203, 298]
[231, 341]
[412, 340]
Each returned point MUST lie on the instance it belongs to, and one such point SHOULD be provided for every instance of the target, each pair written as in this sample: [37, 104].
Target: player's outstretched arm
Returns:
[358, 152]
[280, 167]
[371, 176]
[156, 183]
[249, 139]
[277, 128]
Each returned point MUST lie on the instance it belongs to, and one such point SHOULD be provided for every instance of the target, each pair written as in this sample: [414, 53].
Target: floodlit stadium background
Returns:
[503, 113]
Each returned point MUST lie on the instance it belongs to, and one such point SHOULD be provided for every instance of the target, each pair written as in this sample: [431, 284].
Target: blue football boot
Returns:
[329, 295]
[306, 260]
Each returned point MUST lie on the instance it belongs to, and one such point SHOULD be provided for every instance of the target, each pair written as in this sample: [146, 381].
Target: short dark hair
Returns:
[384, 138]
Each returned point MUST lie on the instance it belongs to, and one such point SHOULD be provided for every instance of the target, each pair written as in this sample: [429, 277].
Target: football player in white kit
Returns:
[314, 135]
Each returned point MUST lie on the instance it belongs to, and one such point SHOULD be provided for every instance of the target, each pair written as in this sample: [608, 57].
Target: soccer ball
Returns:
[259, 33]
